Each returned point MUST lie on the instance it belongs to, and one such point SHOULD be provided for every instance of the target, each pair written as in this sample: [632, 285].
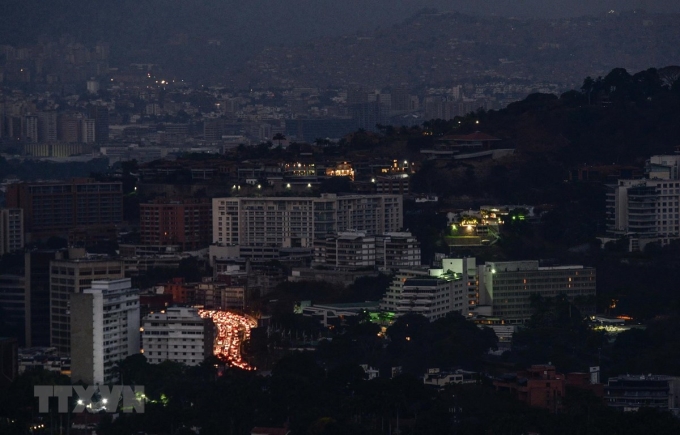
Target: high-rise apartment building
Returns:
[47, 126]
[105, 330]
[30, 128]
[508, 286]
[69, 277]
[298, 221]
[466, 268]
[11, 230]
[69, 128]
[183, 222]
[53, 208]
[178, 335]
[15, 306]
[88, 131]
[100, 115]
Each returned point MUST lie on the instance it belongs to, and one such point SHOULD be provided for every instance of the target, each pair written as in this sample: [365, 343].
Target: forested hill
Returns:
[619, 118]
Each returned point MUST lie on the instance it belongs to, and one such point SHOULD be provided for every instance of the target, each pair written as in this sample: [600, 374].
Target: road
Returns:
[232, 330]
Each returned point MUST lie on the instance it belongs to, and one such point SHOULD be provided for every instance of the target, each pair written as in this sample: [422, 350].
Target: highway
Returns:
[232, 330]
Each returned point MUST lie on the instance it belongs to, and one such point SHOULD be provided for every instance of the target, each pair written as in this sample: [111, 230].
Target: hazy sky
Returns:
[550, 8]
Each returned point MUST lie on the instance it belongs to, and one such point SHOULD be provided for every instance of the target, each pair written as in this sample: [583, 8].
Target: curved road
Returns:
[232, 329]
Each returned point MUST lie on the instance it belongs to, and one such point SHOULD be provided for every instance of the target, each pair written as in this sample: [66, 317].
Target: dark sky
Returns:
[547, 8]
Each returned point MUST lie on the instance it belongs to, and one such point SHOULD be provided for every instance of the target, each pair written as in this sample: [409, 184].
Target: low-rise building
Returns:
[433, 293]
[177, 334]
[508, 287]
[440, 378]
[540, 387]
[630, 393]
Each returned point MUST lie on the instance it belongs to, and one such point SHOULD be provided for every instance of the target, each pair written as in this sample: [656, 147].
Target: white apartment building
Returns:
[429, 292]
[395, 250]
[179, 334]
[466, 268]
[507, 286]
[647, 210]
[104, 330]
[298, 221]
[346, 250]
[11, 230]
[356, 249]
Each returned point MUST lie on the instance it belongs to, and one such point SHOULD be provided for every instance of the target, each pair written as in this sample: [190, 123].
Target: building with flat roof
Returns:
[53, 208]
[507, 286]
[177, 334]
[105, 330]
[298, 221]
[345, 250]
[9, 360]
[185, 222]
[433, 293]
[540, 386]
[356, 249]
[15, 306]
[394, 250]
[11, 230]
[632, 392]
[69, 277]
[648, 209]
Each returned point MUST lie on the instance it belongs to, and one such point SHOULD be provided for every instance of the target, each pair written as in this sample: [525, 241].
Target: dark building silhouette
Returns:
[53, 208]
[100, 115]
[9, 360]
[184, 222]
